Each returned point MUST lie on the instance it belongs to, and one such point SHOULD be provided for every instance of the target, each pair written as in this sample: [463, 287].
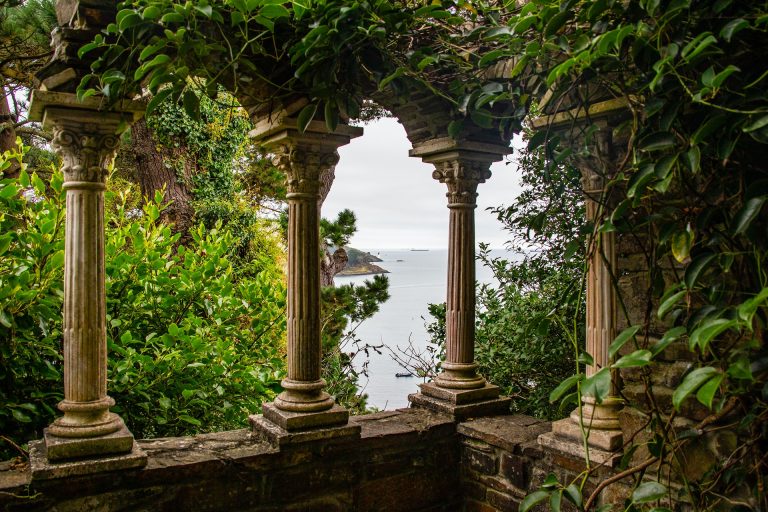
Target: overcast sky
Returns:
[397, 202]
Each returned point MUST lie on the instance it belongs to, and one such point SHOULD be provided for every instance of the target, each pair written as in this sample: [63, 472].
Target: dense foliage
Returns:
[176, 314]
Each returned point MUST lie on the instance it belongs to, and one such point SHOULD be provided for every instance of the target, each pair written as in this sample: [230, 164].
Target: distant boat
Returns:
[419, 250]
[403, 375]
[399, 260]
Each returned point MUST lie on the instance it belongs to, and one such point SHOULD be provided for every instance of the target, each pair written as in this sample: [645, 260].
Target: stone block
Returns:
[478, 506]
[473, 490]
[295, 421]
[461, 412]
[460, 396]
[607, 440]
[515, 469]
[278, 436]
[557, 446]
[481, 462]
[64, 448]
[502, 501]
[43, 469]
[506, 432]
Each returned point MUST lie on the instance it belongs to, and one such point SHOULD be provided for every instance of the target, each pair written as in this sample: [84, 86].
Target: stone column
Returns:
[459, 371]
[600, 421]
[86, 141]
[460, 166]
[304, 404]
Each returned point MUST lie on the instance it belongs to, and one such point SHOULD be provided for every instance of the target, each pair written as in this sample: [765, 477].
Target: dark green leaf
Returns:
[648, 491]
[621, 339]
[691, 383]
[747, 214]
[532, 500]
[305, 116]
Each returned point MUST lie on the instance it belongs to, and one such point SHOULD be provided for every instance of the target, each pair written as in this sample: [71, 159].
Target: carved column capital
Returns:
[86, 141]
[303, 165]
[462, 177]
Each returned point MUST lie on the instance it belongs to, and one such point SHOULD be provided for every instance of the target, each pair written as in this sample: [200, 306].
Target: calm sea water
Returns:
[416, 279]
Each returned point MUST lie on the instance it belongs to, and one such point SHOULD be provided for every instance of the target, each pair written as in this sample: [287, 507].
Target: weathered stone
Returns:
[575, 449]
[42, 469]
[279, 436]
[506, 432]
[481, 462]
[64, 448]
[460, 396]
[503, 501]
[607, 440]
[514, 468]
[461, 412]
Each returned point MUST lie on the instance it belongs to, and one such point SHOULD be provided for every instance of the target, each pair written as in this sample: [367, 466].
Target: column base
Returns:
[63, 448]
[294, 421]
[575, 448]
[279, 436]
[42, 467]
[601, 416]
[608, 440]
[461, 403]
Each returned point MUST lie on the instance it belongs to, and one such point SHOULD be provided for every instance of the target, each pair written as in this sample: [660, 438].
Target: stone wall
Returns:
[404, 460]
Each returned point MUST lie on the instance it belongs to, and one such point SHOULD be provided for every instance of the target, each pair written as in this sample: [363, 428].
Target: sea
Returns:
[416, 279]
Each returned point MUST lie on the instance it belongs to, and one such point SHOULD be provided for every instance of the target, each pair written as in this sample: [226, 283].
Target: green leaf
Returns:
[706, 393]
[691, 383]
[747, 214]
[555, 23]
[190, 419]
[274, 11]
[157, 99]
[705, 333]
[9, 191]
[5, 319]
[573, 494]
[621, 339]
[532, 500]
[681, 244]
[20, 416]
[638, 358]
[669, 336]
[305, 116]
[756, 124]
[454, 128]
[698, 45]
[696, 267]
[648, 491]
[598, 385]
[396, 74]
[331, 116]
[563, 387]
[191, 104]
[749, 307]
[5, 243]
[555, 501]
[670, 302]
[732, 27]
[692, 159]
[657, 141]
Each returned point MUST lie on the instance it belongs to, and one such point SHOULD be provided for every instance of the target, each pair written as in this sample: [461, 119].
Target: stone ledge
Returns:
[506, 432]
[278, 436]
[460, 396]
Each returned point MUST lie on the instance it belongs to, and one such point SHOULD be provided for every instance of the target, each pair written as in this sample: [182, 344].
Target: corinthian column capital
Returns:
[303, 165]
[462, 175]
[87, 150]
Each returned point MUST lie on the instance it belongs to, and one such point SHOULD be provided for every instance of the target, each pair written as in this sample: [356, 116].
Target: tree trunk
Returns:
[153, 174]
[330, 263]
[8, 134]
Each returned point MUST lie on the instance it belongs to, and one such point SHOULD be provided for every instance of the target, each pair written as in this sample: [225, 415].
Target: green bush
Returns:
[193, 345]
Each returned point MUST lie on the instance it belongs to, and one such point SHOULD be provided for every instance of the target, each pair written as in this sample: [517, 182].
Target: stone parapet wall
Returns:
[404, 460]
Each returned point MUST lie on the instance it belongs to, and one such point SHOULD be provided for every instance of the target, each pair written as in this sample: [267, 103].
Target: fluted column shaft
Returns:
[462, 176]
[601, 307]
[303, 388]
[86, 143]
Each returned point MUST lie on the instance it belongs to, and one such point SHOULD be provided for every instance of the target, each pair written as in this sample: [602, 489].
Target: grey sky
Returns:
[397, 202]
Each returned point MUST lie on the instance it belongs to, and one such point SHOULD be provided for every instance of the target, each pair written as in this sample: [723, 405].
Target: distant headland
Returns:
[361, 263]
